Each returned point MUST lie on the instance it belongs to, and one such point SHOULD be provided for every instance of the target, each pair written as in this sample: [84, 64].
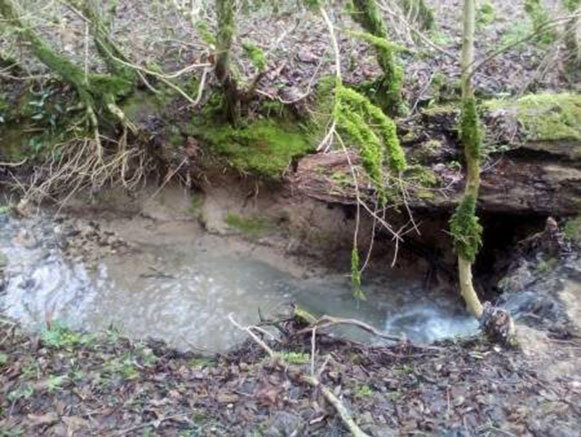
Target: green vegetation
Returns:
[388, 87]
[539, 16]
[250, 226]
[544, 267]
[470, 130]
[358, 293]
[295, 357]
[373, 132]
[466, 229]
[422, 14]
[485, 14]
[256, 55]
[572, 229]
[58, 336]
[364, 391]
[264, 148]
[546, 117]
[421, 175]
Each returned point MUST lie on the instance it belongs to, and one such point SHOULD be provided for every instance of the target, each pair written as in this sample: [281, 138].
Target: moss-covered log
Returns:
[538, 137]
[366, 14]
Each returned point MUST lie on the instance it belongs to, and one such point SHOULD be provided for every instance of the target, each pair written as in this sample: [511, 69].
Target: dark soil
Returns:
[64, 383]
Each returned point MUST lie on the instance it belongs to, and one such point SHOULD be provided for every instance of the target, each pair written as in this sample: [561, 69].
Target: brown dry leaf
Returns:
[74, 424]
[226, 398]
[43, 419]
[268, 395]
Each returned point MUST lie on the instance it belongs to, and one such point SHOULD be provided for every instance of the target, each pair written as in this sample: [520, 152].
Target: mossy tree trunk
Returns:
[367, 15]
[571, 34]
[419, 12]
[60, 65]
[465, 227]
[100, 32]
[95, 91]
[226, 30]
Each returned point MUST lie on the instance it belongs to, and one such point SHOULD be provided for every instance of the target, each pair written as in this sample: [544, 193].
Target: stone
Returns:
[285, 424]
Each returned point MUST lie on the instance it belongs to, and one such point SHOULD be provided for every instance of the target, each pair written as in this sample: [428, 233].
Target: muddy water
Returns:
[179, 284]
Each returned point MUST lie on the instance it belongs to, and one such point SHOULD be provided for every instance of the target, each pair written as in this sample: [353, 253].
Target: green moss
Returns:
[302, 315]
[364, 391]
[485, 13]
[368, 16]
[205, 34]
[429, 150]
[342, 179]
[470, 131]
[250, 226]
[351, 108]
[264, 148]
[546, 117]
[358, 293]
[295, 357]
[256, 55]
[572, 229]
[423, 14]
[466, 229]
[449, 109]
[105, 85]
[539, 16]
[421, 175]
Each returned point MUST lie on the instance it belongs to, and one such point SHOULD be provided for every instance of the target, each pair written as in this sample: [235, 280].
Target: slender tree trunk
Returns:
[108, 50]
[464, 224]
[226, 31]
[571, 34]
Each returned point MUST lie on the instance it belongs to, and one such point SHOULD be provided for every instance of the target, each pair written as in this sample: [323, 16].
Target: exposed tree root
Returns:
[82, 165]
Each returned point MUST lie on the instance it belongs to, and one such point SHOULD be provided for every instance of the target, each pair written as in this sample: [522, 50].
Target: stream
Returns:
[177, 283]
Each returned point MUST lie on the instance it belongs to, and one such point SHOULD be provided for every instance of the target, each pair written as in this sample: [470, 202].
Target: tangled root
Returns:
[83, 164]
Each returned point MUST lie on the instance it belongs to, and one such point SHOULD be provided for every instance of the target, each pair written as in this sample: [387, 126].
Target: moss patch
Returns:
[264, 148]
[546, 117]
[250, 226]
[572, 229]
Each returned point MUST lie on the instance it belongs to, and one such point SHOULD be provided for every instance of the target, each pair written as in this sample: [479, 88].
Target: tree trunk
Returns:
[108, 50]
[571, 35]
[464, 224]
[68, 71]
[226, 30]
[367, 15]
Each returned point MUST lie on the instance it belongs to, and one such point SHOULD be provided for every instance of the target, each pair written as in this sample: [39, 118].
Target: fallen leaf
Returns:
[43, 419]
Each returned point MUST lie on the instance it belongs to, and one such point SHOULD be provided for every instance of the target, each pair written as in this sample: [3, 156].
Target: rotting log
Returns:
[532, 165]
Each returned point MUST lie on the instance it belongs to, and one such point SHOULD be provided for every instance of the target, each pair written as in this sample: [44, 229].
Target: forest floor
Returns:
[65, 383]
[298, 51]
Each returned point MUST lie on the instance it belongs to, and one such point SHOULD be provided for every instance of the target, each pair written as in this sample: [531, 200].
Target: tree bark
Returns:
[108, 50]
[59, 64]
[226, 31]
[367, 15]
[471, 155]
